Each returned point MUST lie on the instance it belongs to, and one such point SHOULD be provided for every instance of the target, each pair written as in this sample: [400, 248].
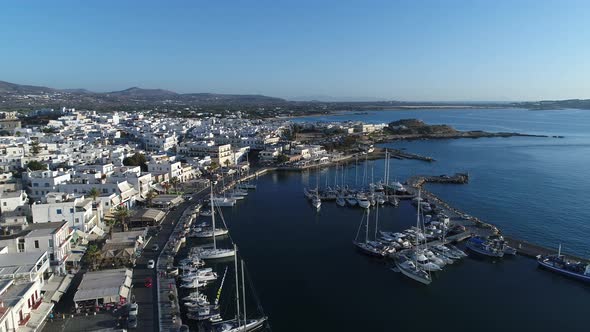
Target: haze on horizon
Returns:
[389, 50]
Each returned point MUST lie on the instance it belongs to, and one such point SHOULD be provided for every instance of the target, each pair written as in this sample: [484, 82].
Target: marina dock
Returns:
[474, 225]
[168, 304]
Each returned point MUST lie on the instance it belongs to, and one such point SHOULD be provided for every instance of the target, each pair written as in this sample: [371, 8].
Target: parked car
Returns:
[155, 247]
[132, 322]
[133, 309]
[151, 264]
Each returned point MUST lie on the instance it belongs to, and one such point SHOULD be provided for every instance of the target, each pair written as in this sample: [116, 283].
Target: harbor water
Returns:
[309, 277]
[532, 188]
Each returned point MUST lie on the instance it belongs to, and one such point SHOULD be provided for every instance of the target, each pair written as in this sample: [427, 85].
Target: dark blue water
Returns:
[532, 188]
[308, 276]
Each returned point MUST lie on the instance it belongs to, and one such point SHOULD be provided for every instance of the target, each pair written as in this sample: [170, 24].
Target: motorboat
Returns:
[559, 264]
[350, 200]
[363, 201]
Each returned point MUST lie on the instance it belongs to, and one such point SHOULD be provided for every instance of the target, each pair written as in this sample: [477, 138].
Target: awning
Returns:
[159, 188]
[65, 284]
[97, 230]
[56, 296]
[127, 282]
[39, 315]
[124, 292]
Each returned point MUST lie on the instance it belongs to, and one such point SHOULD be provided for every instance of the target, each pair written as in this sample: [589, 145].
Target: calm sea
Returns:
[308, 276]
[532, 188]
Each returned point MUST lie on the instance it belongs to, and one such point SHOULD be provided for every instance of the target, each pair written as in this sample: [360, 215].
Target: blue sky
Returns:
[403, 50]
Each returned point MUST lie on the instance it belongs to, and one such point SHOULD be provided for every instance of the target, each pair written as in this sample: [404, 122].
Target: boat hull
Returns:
[482, 252]
[411, 275]
[569, 274]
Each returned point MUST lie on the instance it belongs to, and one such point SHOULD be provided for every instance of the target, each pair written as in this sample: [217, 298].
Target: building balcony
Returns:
[25, 320]
[37, 304]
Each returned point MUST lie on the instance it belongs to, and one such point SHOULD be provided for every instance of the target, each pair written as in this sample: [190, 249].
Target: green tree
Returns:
[149, 197]
[93, 256]
[94, 193]
[35, 165]
[174, 182]
[35, 148]
[121, 214]
[138, 159]
[166, 186]
[214, 165]
[282, 158]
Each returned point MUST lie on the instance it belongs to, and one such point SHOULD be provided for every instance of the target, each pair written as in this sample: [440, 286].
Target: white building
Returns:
[77, 212]
[44, 182]
[53, 238]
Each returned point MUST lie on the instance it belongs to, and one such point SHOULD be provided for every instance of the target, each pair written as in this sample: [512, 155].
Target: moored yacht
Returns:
[363, 201]
[214, 253]
[411, 270]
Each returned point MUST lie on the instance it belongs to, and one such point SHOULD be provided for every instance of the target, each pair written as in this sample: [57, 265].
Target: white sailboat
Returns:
[409, 267]
[215, 253]
[240, 323]
[315, 199]
[367, 247]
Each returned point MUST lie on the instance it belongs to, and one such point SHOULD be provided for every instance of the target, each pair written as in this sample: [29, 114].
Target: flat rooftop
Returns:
[18, 263]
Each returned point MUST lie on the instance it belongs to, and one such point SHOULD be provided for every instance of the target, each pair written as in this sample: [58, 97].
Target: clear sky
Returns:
[403, 50]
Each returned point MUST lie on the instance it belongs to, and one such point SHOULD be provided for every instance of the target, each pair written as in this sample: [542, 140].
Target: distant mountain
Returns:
[12, 88]
[136, 92]
[27, 96]
[82, 91]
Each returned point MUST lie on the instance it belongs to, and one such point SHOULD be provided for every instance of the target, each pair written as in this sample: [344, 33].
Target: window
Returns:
[77, 220]
[4, 203]
[35, 184]
[21, 245]
[37, 244]
[50, 243]
[58, 211]
[51, 257]
[71, 210]
[46, 184]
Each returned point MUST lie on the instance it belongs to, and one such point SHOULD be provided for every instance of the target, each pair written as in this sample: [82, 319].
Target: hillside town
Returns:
[82, 194]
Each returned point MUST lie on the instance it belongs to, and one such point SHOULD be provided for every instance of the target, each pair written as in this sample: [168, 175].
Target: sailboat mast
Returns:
[213, 217]
[559, 251]
[356, 172]
[376, 220]
[237, 288]
[244, 295]
[367, 227]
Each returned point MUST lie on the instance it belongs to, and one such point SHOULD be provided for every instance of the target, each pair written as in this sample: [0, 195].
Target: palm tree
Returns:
[121, 214]
[94, 193]
[166, 186]
[174, 182]
[149, 197]
[92, 256]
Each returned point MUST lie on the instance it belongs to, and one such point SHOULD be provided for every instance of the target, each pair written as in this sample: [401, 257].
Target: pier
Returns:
[474, 225]
[168, 304]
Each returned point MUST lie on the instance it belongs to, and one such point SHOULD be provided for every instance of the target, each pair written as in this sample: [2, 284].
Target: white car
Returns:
[133, 309]
[151, 264]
